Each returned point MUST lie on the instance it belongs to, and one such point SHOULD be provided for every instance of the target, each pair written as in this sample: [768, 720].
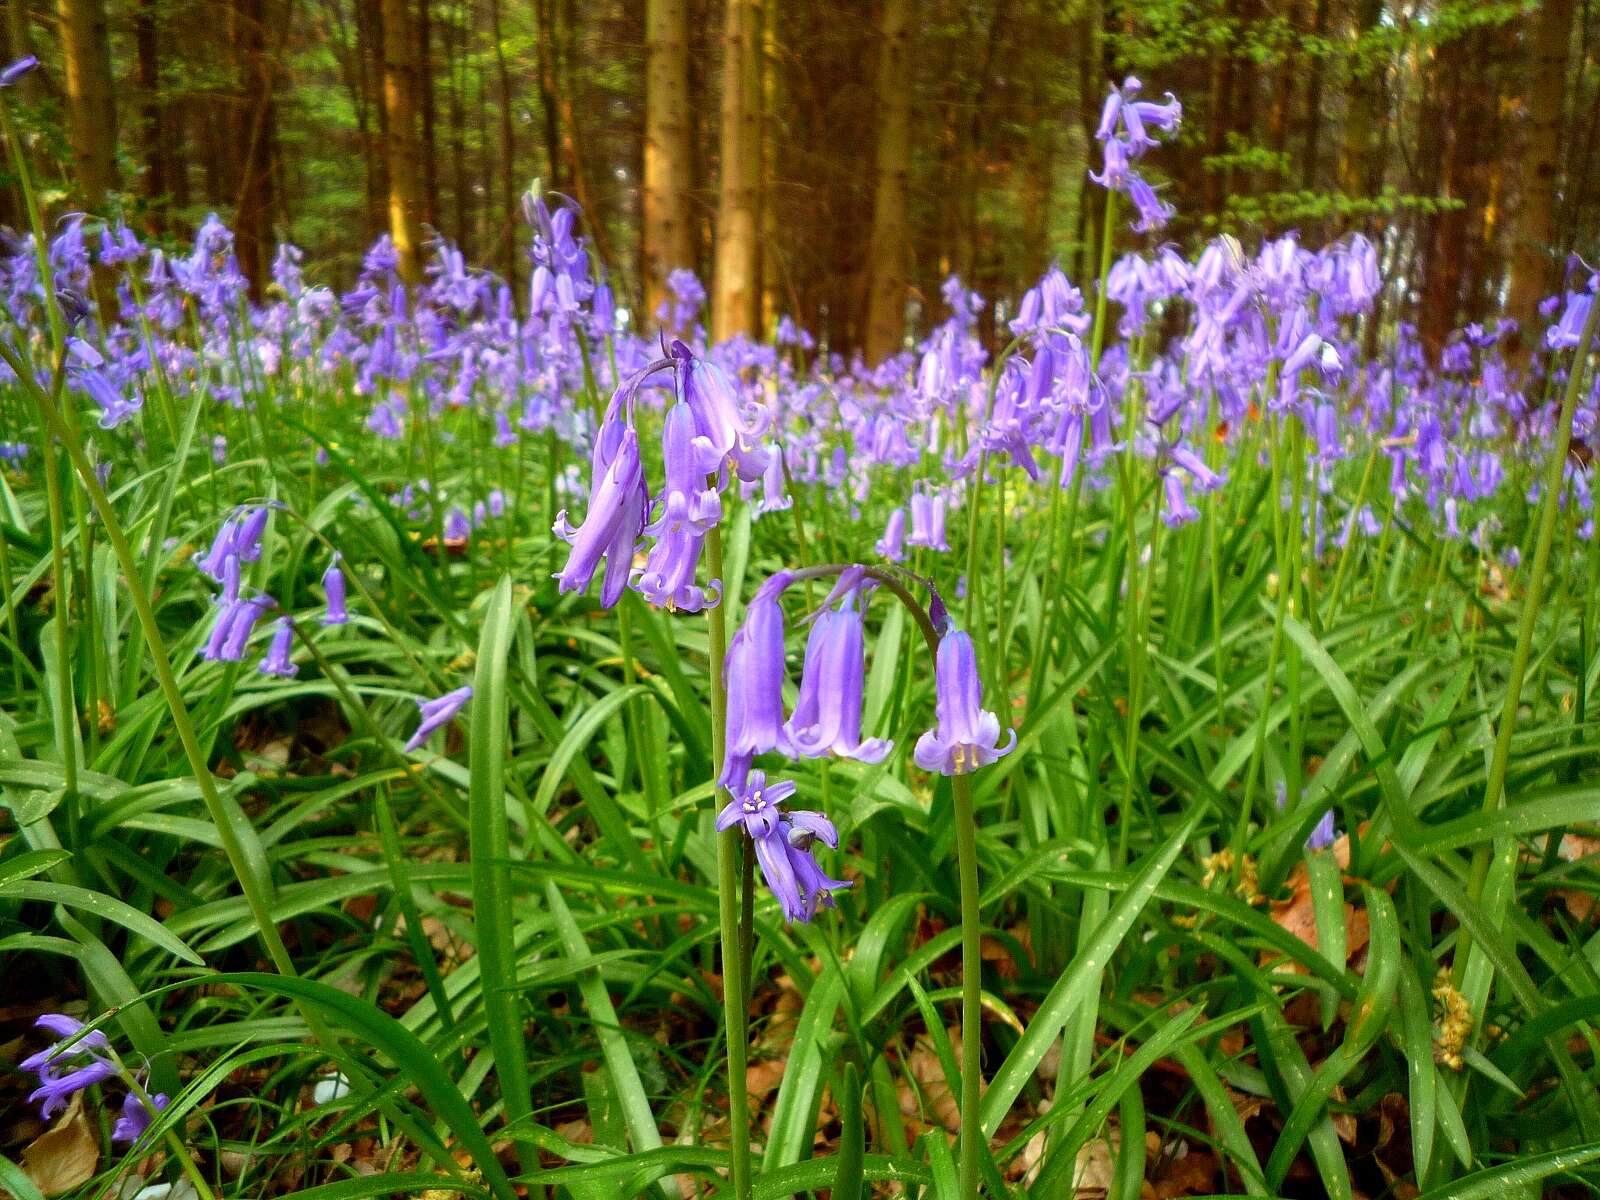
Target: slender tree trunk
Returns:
[428, 105]
[1535, 269]
[1358, 157]
[772, 263]
[405, 188]
[889, 249]
[508, 154]
[371, 116]
[249, 133]
[544, 13]
[1447, 231]
[668, 232]
[91, 103]
[1310, 163]
[459, 186]
[735, 283]
[152, 111]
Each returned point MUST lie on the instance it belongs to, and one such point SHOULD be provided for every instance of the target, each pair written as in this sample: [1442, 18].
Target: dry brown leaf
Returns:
[934, 1099]
[65, 1155]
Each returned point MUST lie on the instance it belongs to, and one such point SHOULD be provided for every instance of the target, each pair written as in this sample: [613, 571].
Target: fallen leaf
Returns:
[65, 1155]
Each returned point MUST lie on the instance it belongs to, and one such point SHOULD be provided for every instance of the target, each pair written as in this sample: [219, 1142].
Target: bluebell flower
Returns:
[235, 621]
[827, 713]
[333, 585]
[783, 845]
[892, 545]
[616, 516]
[277, 661]
[136, 1117]
[67, 1068]
[1324, 834]
[967, 735]
[754, 675]
[436, 713]
[16, 70]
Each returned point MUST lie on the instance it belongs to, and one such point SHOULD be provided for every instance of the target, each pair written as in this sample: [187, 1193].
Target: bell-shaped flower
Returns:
[436, 713]
[892, 545]
[827, 715]
[967, 735]
[236, 620]
[333, 585]
[754, 675]
[714, 400]
[277, 662]
[136, 1117]
[610, 530]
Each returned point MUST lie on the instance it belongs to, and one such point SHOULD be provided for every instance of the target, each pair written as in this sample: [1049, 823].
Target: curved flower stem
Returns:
[736, 1010]
[1549, 511]
[971, 987]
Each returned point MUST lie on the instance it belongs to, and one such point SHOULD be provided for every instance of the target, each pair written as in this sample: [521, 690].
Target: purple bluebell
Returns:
[783, 845]
[333, 586]
[16, 70]
[616, 516]
[236, 620]
[892, 545]
[827, 712]
[64, 1069]
[689, 509]
[927, 521]
[1564, 334]
[967, 735]
[436, 713]
[277, 661]
[1324, 834]
[136, 1117]
[754, 675]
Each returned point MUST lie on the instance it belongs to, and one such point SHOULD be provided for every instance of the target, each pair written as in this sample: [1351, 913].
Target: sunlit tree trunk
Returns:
[405, 191]
[887, 262]
[1535, 269]
[91, 105]
[668, 230]
[736, 278]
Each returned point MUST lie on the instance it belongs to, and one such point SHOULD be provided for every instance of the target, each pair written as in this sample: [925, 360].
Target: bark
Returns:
[1359, 168]
[1535, 269]
[668, 229]
[249, 134]
[427, 103]
[508, 154]
[735, 289]
[889, 249]
[459, 188]
[400, 141]
[1311, 162]
[154, 135]
[91, 104]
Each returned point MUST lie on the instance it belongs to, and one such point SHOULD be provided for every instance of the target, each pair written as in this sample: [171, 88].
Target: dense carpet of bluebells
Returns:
[502, 744]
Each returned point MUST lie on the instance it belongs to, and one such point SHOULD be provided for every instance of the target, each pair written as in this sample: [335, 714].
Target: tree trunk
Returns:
[1358, 159]
[152, 112]
[400, 141]
[1535, 270]
[91, 104]
[508, 154]
[668, 232]
[1313, 145]
[428, 105]
[249, 135]
[736, 280]
[459, 187]
[888, 250]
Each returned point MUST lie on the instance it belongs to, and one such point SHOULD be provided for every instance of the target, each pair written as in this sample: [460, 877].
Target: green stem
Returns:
[735, 1009]
[1549, 512]
[971, 987]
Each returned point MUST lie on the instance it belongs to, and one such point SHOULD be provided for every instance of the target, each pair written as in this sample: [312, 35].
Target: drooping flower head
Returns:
[967, 735]
[75, 1061]
[827, 714]
[783, 844]
[754, 675]
[437, 713]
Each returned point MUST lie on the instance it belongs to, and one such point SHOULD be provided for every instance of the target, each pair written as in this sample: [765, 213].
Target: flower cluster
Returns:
[1126, 132]
[80, 1059]
[706, 432]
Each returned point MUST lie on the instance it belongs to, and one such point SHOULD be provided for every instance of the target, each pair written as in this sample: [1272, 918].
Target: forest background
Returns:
[833, 160]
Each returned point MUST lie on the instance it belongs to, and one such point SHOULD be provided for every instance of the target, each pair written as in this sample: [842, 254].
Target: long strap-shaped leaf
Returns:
[1072, 988]
[489, 835]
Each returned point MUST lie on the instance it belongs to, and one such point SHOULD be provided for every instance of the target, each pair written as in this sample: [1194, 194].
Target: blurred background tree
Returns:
[833, 160]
